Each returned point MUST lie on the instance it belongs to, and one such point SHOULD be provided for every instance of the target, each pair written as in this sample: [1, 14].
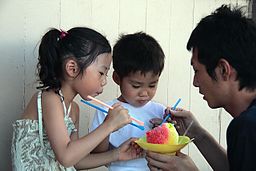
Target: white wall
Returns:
[23, 22]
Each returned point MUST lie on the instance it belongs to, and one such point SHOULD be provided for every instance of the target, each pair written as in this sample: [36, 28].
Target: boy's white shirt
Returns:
[144, 113]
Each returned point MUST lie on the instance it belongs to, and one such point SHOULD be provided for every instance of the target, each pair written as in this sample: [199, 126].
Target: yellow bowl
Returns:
[163, 148]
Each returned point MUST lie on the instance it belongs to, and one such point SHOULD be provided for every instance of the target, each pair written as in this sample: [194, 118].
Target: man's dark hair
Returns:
[227, 34]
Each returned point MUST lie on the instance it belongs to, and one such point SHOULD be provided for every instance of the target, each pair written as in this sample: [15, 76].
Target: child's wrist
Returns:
[116, 154]
[107, 127]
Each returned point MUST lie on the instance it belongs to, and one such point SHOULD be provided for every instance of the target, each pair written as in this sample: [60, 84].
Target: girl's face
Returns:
[94, 76]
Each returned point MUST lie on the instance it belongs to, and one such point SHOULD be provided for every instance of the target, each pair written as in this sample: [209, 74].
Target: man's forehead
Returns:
[194, 55]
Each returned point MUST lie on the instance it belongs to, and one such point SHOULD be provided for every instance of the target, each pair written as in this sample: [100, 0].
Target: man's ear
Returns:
[116, 78]
[71, 68]
[225, 69]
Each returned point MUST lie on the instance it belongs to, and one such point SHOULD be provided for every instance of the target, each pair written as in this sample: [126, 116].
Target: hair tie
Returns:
[63, 33]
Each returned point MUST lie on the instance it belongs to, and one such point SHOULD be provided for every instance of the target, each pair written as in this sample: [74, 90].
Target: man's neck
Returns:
[239, 102]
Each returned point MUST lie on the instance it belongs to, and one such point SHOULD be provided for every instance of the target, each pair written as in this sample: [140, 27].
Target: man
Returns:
[224, 60]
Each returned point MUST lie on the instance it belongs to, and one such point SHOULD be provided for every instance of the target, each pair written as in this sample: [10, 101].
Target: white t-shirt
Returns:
[144, 114]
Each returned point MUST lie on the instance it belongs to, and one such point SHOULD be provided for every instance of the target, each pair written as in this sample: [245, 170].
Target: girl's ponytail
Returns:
[49, 65]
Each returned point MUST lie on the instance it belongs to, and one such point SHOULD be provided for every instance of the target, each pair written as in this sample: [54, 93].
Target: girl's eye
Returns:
[101, 73]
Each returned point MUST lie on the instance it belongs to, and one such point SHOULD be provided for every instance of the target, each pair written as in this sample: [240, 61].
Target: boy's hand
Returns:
[155, 122]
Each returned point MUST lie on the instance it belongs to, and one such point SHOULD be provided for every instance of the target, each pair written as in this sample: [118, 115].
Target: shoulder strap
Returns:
[66, 112]
[40, 119]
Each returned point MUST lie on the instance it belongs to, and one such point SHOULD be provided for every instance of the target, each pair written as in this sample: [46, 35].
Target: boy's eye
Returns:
[135, 86]
[152, 86]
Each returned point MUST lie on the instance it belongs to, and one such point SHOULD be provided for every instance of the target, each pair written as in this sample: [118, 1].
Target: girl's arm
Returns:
[103, 146]
[68, 152]
[126, 151]
[97, 120]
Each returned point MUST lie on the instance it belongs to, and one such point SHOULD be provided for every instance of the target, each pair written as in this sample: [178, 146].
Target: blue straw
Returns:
[173, 108]
[104, 111]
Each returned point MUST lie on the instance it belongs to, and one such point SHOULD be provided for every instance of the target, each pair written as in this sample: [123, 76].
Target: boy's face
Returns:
[138, 89]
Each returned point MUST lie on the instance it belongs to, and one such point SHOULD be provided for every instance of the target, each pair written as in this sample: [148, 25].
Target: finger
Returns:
[179, 109]
[180, 154]
[167, 110]
[178, 113]
[116, 105]
[154, 164]
[174, 122]
[130, 141]
[153, 168]
[157, 156]
[156, 121]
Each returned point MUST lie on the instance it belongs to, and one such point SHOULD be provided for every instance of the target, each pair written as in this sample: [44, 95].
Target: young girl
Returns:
[46, 137]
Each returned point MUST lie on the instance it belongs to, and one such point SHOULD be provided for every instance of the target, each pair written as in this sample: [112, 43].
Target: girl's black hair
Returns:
[79, 43]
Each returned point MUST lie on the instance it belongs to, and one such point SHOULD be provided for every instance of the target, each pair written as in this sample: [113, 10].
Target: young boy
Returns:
[138, 61]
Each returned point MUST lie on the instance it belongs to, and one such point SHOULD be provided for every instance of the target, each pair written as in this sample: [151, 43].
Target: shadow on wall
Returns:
[13, 91]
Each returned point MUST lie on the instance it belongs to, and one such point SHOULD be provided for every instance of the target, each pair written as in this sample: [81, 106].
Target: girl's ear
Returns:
[71, 68]
[116, 78]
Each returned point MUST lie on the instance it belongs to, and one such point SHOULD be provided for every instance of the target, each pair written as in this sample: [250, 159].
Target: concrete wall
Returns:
[23, 22]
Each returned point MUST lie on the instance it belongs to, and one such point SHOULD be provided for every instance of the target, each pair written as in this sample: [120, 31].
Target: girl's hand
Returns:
[129, 150]
[117, 117]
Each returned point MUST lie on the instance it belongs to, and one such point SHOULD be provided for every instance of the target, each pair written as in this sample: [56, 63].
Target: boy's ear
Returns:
[71, 68]
[116, 78]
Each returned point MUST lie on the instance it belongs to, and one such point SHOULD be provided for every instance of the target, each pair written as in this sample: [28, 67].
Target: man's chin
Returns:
[212, 105]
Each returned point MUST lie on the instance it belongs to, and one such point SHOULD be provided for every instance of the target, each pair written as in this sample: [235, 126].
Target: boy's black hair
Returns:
[80, 43]
[227, 34]
[137, 52]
